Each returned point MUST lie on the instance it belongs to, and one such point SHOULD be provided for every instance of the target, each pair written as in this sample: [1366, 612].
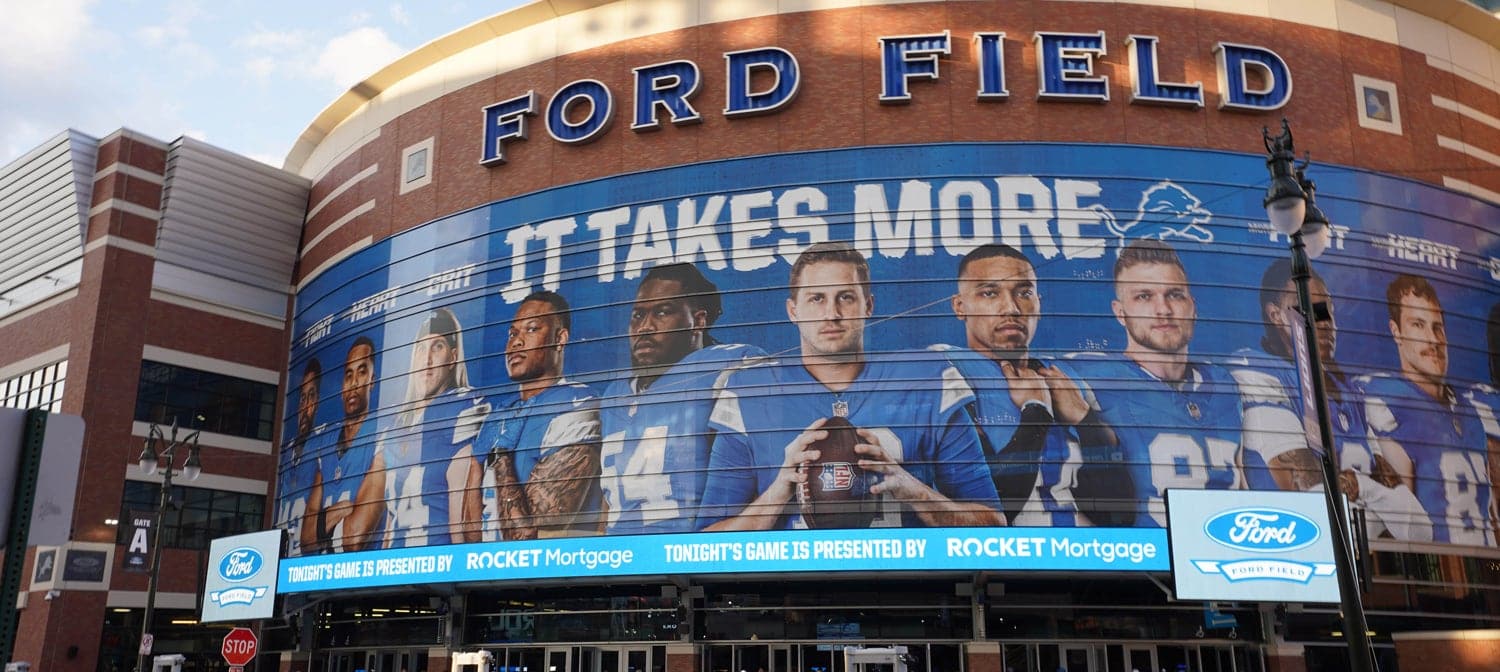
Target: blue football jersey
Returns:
[656, 442]
[996, 416]
[418, 455]
[918, 404]
[1184, 435]
[1446, 441]
[565, 414]
[299, 463]
[343, 472]
[1274, 414]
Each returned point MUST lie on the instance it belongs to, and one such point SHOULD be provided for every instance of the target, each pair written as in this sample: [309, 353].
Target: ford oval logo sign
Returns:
[1262, 530]
[240, 564]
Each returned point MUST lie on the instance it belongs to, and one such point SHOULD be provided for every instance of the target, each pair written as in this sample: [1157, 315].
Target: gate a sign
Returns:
[138, 553]
[240, 647]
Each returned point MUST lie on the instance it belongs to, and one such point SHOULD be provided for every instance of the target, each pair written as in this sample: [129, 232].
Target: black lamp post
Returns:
[191, 468]
[1290, 207]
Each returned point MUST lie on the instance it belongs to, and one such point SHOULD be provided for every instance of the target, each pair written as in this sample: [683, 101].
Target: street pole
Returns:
[1356, 629]
[1291, 208]
[161, 507]
[149, 463]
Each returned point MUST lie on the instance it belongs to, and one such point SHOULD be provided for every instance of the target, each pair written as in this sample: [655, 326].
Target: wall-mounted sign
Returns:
[1248, 545]
[46, 566]
[85, 566]
[138, 551]
[1251, 79]
[241, 581]
[890, 549]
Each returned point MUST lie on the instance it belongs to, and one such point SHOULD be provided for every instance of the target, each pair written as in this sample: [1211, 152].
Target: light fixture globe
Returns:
[193, 467]
[147, 460]
[1316, 238]
[1285, 209]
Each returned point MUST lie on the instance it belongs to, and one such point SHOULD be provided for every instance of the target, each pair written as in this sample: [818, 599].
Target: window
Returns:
[40, 388]
[196, 515]
[416, 166]
[212, 402]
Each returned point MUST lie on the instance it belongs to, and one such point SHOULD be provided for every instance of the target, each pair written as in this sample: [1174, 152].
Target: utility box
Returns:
[876, 659]
[171, 662]
[473, 661]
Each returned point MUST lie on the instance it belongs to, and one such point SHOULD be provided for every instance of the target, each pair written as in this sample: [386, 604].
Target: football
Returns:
[838, 491]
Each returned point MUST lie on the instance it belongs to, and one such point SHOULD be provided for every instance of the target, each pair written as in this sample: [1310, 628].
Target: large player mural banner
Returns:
[941, 336]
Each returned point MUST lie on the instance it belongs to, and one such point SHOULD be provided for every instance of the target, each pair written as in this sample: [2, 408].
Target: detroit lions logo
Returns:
[1167, 212]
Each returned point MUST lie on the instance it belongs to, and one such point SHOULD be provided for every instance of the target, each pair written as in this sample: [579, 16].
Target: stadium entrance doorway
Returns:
[377, 661]
[578, 658]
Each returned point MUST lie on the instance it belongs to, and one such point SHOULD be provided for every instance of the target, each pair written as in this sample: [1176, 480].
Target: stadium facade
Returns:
[586, 292]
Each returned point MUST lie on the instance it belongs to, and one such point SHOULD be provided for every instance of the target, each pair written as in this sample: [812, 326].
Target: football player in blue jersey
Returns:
[1177, 418]
[1024, 408]
[345, 508]
[299, 464]
[1433, 434]
[656, 433]
[1277, 428]
[428, 453]
[541, 442]
[914, 432]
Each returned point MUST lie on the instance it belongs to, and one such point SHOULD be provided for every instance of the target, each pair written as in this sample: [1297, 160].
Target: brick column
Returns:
[983, 657]
[1286, 658]
[682, 657]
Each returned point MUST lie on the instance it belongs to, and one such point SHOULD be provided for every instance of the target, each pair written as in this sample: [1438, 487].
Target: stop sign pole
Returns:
[240, 647]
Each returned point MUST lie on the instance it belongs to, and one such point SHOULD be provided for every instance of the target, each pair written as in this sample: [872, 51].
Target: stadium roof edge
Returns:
[1458, 13]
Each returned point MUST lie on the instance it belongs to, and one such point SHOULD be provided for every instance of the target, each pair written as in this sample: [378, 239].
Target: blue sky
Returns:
[246, 76]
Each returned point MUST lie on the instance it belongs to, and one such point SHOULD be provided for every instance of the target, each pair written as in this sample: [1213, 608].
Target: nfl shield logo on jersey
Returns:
[837, 476]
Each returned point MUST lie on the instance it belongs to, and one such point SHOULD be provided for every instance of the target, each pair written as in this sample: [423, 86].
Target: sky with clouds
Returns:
[246, 76]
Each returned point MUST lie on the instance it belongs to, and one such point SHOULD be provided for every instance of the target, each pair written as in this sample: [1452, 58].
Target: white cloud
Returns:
[359, 18]
[41, 40]
[175, 26]
[261, 67]
[349, 58]
[272, 40]
[399, 15]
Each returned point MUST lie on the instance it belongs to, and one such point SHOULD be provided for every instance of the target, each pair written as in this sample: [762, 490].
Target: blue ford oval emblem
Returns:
[1262, 530]
[240, 564]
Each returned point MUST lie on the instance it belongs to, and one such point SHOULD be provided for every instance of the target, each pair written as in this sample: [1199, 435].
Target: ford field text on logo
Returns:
[240, 564]
[1262, 530]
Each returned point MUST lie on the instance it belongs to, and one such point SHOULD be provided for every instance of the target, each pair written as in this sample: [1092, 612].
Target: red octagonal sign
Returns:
[240, 646]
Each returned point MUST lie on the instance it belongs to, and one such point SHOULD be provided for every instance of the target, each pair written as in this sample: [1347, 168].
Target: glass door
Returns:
[1078, 659]
[559, 659]
[637, 660]
[1140, 658]
[345, 662]
[609, 660]
[783, 658]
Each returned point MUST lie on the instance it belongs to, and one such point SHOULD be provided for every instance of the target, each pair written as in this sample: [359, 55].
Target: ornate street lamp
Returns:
[1289, 205]
[191, 468]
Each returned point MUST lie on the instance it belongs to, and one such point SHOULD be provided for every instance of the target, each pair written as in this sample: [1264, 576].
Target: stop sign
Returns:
[240, 646]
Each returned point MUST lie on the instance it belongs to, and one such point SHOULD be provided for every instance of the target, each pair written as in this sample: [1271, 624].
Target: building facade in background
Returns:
[144, 283]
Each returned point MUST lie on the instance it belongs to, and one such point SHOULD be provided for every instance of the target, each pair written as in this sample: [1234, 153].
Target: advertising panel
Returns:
[778, 552]
[1251, 546]
[936, 336]
[241, 580]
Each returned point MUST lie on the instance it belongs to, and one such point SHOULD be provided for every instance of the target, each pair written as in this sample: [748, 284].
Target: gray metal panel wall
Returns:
[231, 218]
[44, 202]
